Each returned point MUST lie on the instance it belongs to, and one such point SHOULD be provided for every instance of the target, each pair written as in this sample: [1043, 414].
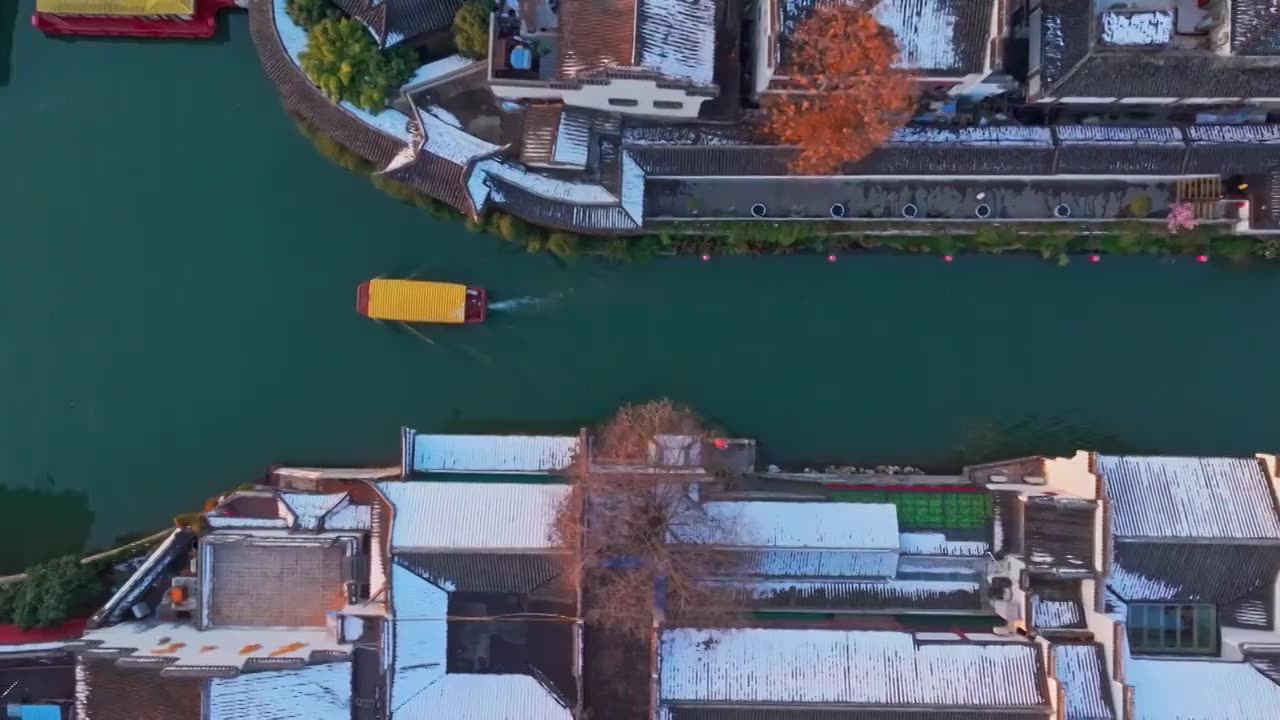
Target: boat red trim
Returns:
[362, 298]
[477, 303]
[203, 25]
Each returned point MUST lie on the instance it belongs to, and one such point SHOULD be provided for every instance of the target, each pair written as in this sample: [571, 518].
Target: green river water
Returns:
[177, 278]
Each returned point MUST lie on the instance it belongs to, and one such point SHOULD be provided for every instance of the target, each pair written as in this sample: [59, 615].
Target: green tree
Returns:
[307, 13]
[471, 29]
[343, 60]
[55, 591]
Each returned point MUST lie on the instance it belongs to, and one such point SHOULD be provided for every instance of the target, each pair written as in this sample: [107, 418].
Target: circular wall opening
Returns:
[910, 210]
[758, 210]
[1062, 211]
[837, 210]
[982, 211]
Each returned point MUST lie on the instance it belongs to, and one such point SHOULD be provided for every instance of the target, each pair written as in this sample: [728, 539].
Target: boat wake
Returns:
[524, 303]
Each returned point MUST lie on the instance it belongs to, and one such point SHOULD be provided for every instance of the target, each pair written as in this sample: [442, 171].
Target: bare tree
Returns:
[645, 546]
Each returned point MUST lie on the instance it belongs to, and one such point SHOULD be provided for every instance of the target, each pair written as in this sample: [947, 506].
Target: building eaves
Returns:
[1080, 670]
[1185, 498]
[485, 572]
[861, 669]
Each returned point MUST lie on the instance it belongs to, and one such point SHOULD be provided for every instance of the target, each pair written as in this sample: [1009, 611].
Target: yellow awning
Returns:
[116, 7]
[417, 301]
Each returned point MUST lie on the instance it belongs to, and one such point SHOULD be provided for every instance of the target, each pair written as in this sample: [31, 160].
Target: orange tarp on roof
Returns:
[417, 301]
[116, 7]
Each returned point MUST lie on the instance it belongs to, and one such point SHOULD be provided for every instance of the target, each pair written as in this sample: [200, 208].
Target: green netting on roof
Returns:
[919, 509]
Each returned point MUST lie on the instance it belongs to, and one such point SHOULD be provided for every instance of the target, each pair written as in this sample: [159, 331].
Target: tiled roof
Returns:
[935, 37]
[493, 453]
[796, 564]
[936, 543]
[1255, 27]
[1203, 690]
[1191, 572]
[394, 21]
[305, 99]
[1175, 497]
[1058, 533]
[1072, 66]
[436, 177]
[1121, 159]
[1083, 675]
[677, 38]
[930, 159]
[793, 525]
[318, 692]
[541, 125]
[833, 667]
[596, 35]
[1056, 605]
[280, 586]
[485, 697]
[107, 692]
[485, 572]
[472, 516]
[909, 595]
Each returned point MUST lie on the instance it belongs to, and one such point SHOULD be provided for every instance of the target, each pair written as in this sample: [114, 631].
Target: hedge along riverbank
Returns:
[748, 237]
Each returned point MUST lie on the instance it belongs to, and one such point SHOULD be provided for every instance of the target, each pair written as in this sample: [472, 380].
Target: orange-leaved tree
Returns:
[843, 96]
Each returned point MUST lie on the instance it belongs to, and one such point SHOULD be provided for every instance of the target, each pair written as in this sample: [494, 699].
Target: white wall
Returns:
[596, 97]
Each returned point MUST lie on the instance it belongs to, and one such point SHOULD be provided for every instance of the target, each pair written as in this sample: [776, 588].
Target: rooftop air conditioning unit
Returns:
[998, 479]
[1033, 480]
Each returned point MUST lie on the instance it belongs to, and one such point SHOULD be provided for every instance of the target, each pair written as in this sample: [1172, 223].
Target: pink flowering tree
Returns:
[1182, 216]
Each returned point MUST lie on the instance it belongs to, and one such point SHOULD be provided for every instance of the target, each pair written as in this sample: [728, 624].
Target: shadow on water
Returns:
[41, 524]
[985, 440]
[8, 29]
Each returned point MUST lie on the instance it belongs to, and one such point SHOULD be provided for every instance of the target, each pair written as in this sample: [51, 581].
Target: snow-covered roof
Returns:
[844, 667]
[795, 525]
[472, 516]
[1094, 134]
[890, 593]
[794, 564]
[1004, 135]
[924, 30]
[1050, 613]
[316, 692]
[935, 543]
[187, 646]
[309, 508]
[484, 697]
[493, 453]
[677, 38]
[1200, 690]
[439, 69]
[1129, 584]
[418, 639]
[445, 139]
[420, 687]
[1079, 668]
[1189, 497]
[1266, 134]
[1137, 28]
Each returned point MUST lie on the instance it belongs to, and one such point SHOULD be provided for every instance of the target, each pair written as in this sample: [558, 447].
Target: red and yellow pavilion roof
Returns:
[122, 8]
